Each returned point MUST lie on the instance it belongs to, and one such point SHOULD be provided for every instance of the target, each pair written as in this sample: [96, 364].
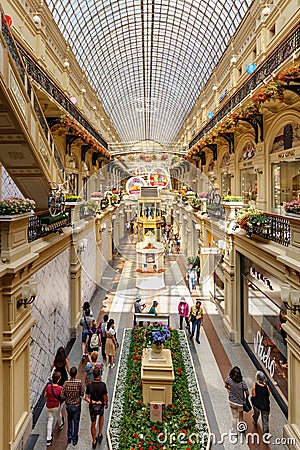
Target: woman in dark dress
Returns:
[261, 401]
[61, 365]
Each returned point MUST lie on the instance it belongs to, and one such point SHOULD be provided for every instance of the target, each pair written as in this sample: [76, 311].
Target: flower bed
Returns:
[130, 427]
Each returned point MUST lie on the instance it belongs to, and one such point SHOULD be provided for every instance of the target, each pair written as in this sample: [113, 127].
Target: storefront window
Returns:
[286, 183]
[226, 184]
[249, 185]
[263, 316]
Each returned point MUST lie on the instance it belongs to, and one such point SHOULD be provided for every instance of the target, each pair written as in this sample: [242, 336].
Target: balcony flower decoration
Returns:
[97, 195]
[289, 74]
[73, 198]
[73, 128]
[16, 205]
[157, 334]
[196, 203]
[251, 219]
[202, 194]
[293, 207]
[232, 198]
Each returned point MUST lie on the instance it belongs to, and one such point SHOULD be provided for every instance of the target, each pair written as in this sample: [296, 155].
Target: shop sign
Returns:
[287, 154]
[209, 251]
[264, 353]
[134, 184]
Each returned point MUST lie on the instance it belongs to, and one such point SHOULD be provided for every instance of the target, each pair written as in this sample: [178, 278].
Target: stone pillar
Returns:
[292, 328]
[16, 327]
[75, 288]
[157, 377]
[230, 307]
[14, 237]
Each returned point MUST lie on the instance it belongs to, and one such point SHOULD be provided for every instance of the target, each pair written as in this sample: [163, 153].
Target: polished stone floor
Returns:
[213, 358]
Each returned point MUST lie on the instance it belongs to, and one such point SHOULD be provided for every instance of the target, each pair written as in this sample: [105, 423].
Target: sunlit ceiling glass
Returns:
[148, 59]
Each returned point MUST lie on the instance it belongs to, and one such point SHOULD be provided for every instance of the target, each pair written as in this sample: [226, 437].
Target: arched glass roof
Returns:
[148, 59]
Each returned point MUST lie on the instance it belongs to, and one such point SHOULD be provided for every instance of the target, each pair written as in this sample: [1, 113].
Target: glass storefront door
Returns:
[262, 319]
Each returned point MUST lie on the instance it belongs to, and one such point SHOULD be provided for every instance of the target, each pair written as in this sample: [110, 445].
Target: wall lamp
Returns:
[103, 227]
[82, 246]
[260, 172]
[290, 298]
[29, 292]
[197, 226]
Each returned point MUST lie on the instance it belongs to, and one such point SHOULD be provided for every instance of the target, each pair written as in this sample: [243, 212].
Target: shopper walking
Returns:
[196, 317]
[53, 405]
[103, 327]
[96, 396]
[93, 339]
[90, 366]
[61, 364]
[111, 344]
[72, 392]
[183, 311]
[190, 275]
[85, 322]
[237, 390]
[261, 401]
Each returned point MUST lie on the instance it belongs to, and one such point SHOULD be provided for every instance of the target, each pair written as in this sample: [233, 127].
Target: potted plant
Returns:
[11, 206]
[156, 336]
[251, 220]
[293, 207]
[232, 198]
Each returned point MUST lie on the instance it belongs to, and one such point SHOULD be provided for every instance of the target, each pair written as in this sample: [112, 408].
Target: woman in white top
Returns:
[111, 344]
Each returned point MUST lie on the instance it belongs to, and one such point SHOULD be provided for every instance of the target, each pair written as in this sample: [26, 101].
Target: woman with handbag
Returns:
[61, 365]
[261, 401]
[237, 390]
[53, 405]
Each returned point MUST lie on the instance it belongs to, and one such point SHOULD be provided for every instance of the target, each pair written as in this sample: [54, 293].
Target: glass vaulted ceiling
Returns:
[148, 59]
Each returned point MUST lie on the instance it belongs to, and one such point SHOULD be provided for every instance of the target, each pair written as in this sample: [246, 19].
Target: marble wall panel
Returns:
[9, 188]
[88, 274]
[51, 311]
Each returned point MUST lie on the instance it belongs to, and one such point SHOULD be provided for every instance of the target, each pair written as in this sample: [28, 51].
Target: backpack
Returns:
[94, 343]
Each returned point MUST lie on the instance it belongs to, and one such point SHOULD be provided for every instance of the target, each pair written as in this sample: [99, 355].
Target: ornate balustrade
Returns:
[19, 63]
[41, 224]
[277, 230]
[273, 62]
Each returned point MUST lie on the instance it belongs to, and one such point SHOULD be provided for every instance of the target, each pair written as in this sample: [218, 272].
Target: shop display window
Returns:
[226, 184]
[249, 185]
[286, 183]
[263, 316]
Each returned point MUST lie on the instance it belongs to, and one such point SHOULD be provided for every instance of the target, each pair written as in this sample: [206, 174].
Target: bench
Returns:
[144, 317]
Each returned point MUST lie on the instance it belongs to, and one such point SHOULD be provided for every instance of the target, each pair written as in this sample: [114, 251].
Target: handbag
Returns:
[247, 405]
[193, 318]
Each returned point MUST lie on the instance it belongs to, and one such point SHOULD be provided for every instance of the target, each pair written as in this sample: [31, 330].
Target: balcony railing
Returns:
[39, 227]
[58, 95]
[16, 55]
[278, 57]
[277, 230]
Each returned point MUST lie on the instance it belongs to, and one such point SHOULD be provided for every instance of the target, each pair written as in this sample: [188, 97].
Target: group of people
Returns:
[71, 391]
[139, 307]
[94, 336]
[239, 397]
[192, 316]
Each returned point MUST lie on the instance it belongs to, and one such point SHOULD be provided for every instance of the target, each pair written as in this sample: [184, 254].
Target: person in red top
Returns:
[53, 405]
[183, 311]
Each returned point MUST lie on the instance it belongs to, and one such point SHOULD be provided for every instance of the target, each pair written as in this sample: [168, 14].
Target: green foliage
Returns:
[137, 432]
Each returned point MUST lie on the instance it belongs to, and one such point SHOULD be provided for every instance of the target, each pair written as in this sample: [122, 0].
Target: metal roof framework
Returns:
[148, 59]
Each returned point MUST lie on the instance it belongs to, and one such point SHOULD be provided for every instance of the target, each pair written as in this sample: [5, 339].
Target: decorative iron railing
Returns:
[16, 55]
[279, 56]
[38, 228]
[58, 95]
[277, 230]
